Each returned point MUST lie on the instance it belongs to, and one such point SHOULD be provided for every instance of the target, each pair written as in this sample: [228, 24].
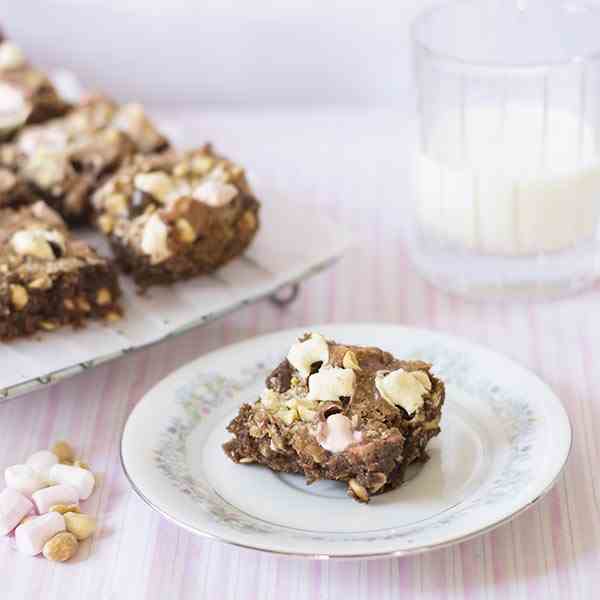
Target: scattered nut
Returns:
[80, 525]
[103, 297]
[64, 451]
[64, 508]
[350, 361]
[185, 232]
[82, 465]
[69, 304]
[48, 325]
[61, 547]
[112, 316]
[358, 490]
[247, 460]
[248, 222]
[378, 481]
[18, 296]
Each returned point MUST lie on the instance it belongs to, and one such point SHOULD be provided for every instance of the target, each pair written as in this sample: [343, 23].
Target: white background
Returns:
[252, 52]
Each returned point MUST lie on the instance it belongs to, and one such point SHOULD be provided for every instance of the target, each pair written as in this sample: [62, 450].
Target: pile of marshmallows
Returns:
[41, 503]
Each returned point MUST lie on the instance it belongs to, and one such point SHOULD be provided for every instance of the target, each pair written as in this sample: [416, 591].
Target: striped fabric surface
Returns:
[353, 166]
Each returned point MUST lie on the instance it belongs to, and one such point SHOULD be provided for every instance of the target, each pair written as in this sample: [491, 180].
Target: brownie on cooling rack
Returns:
[47, 278]
[174, 216]
[348, 413]
[64, 159]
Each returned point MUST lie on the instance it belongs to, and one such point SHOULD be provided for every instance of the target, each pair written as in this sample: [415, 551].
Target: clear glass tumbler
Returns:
[507, 186]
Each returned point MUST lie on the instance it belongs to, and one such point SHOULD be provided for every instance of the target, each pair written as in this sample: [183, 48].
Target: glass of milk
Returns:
[507, 166]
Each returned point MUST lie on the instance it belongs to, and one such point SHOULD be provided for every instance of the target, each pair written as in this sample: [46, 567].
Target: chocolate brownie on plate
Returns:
[47, 278]
[176, 215]
[348, 413]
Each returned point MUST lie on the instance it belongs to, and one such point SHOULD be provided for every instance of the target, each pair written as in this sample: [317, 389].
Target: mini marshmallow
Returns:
[42, 462]
[330, 384]
[14, 506]
[81, 479]
[338, 434]
[31, 536]
[24, 479]
[55, 494]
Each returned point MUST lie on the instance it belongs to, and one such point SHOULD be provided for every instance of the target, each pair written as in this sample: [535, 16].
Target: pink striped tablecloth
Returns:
[354, 166]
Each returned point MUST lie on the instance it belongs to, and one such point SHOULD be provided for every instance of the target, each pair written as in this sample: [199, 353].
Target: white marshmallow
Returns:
[13, 508]
[303, 355]
[32, 536]
[155, 237]
[42, 462]
[404, 389]
[24, 479]
[55, 494]
[337, 434]
[215, 193]
[328, 385]
[81, 479]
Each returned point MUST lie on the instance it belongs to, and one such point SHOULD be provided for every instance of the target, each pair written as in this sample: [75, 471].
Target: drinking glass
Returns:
[507, 165]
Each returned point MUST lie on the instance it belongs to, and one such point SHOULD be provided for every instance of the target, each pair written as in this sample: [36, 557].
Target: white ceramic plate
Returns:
[505, 439]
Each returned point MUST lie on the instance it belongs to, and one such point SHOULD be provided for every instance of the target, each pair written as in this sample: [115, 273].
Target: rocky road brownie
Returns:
[48, 279]
[174, 216]
[65, 159]
[26, 94]
[349, 413]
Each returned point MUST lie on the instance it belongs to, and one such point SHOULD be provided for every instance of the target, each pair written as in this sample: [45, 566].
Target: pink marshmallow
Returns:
[14, 506]
[31, 536]
[55, 494]
[24, 479]
[42, 461]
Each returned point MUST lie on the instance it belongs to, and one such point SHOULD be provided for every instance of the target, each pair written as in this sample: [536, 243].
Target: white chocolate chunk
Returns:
[337, 433]
[157, 184]
[14, 109]
[215, 193]
[53, 495]
[23, 479]
[36, 243]
[401, 388]
[328, 385]
[303, 355]
[155, 239]
[31, 536]
[81, 479]
[14, 506]
[41, 462]
[11, 56]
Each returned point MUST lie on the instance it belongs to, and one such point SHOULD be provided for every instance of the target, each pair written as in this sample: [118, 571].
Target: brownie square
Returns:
[63, 160]
[47, 278]
[348, 413]
[173, 216]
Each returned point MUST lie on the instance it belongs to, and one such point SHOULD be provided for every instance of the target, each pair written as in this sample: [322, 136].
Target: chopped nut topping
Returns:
[18, 296]
[185, 232]
[63, 451]
[350, 361]
[103, 297]
[358, 490]
[82, 526]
